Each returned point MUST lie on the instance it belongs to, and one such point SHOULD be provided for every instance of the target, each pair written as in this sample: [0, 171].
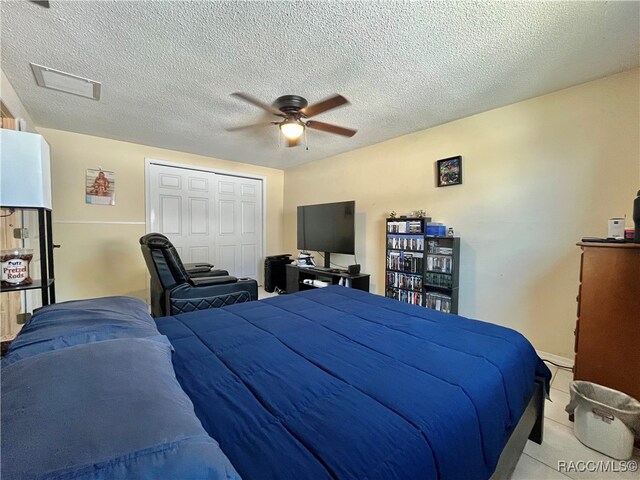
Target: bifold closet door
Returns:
[209, 217]
[239, 214]
[182, 209]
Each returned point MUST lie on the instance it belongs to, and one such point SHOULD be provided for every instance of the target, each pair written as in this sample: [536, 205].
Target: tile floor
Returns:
[540, 462]
[262, 294]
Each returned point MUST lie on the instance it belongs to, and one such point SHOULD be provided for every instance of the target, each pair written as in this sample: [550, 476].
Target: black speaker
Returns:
[275, 275]
[353, 269]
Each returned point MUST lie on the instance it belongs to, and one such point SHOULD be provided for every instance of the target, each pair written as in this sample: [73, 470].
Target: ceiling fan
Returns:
[295, 111]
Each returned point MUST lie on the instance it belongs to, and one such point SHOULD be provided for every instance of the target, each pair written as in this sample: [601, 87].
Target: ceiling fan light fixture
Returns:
[292, 129]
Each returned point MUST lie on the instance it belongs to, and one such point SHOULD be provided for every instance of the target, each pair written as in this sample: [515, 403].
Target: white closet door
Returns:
[209, 217]
[238, 228]
[182, 209]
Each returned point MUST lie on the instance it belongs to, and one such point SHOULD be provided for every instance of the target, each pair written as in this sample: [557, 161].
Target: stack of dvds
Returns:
[405, 281]
[439, 263]
[414, 243]
[437, 301]
[438, 280]
[394, 260]
[413, 298]
[433, 246]
[410, 262]
[413, 262]
[405, 226]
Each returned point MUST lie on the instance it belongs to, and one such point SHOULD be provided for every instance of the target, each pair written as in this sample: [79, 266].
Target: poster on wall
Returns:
[100, 187]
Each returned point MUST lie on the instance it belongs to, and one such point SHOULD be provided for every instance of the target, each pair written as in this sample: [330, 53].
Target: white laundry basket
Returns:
[604, 419]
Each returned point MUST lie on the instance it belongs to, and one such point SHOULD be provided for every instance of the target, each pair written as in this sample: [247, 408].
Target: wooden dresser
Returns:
[608, 328]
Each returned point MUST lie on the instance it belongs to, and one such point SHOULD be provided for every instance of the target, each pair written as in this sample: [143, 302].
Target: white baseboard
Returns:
[565, 362]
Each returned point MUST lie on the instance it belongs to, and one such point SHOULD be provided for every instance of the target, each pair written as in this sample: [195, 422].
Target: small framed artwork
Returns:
[449, 171]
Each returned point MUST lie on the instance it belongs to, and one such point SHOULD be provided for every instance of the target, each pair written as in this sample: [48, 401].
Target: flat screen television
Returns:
[328, 228]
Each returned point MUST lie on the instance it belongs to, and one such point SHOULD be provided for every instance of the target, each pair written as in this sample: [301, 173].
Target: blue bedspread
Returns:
[339, 383]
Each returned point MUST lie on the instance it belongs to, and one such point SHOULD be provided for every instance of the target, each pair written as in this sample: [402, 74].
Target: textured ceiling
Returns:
[167, 68]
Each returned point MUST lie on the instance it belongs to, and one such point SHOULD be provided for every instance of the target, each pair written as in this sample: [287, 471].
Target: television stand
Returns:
[297, 275]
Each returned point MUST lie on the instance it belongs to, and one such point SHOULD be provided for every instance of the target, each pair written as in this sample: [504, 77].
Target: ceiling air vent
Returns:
[65, 82]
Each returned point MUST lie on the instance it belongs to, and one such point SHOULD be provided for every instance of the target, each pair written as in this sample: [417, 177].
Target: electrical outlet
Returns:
[21, 233]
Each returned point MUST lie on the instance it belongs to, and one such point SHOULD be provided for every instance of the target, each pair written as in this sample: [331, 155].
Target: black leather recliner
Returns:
[174, 290]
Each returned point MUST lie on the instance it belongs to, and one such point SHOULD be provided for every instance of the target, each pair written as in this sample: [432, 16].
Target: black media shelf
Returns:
[296, 275]
[435, 260]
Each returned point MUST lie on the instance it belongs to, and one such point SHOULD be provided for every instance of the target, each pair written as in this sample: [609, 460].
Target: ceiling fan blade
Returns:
[253, 125]
[258, 103]
[42, 3]
[327, 127]
[324, 105]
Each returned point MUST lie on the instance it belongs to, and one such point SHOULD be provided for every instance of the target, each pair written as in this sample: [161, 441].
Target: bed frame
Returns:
[529, 427]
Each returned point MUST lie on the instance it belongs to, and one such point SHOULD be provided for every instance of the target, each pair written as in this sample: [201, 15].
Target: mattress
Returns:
[340, 383]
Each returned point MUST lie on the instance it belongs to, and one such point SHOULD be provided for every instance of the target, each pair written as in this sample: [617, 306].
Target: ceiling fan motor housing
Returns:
[290, 104]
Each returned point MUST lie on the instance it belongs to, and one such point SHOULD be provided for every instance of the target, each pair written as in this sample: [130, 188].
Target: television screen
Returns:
[327, 227]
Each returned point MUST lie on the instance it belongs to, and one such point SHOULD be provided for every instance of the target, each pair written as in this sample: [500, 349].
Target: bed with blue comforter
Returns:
[340, 383]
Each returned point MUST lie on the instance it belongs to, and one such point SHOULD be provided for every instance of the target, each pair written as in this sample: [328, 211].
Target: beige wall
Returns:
[538, 175]
[99, 259]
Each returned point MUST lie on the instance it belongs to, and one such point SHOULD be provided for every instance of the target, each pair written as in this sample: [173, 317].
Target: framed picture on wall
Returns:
[449, 171]
[100, 187]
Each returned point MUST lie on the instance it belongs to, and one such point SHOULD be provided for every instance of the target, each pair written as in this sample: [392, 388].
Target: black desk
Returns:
[296, 275]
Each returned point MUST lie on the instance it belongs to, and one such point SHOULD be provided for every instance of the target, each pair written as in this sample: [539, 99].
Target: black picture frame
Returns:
[449, 171]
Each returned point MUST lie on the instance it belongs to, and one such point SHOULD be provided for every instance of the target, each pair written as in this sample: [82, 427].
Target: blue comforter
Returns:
[339, 383]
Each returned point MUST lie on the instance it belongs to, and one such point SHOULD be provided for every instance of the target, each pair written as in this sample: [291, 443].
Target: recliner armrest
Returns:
[220, 280]
[198, 267]
[198, 270]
